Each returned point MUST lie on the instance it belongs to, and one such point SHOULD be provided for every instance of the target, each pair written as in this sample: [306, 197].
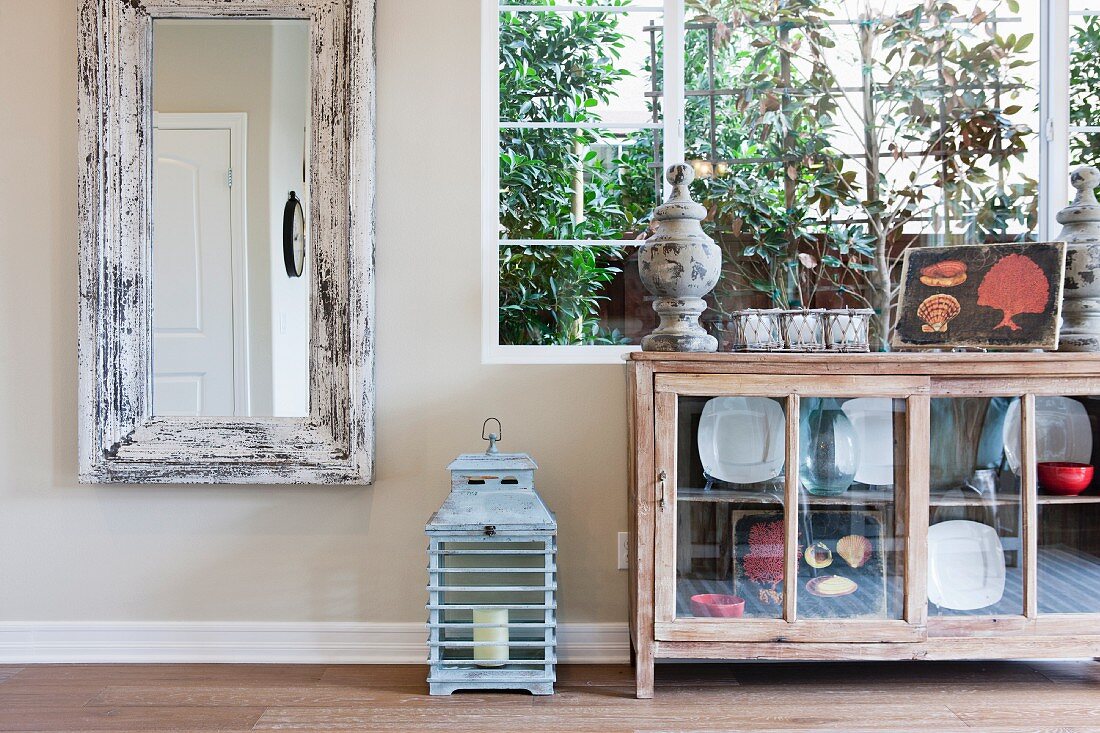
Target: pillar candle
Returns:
[491, 655]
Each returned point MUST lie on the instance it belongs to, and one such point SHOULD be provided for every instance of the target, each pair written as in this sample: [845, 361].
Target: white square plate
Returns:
[966, 565]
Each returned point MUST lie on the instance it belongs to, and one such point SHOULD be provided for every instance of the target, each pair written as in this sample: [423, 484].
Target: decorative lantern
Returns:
[755, 330]
[492, 578]
[848, 329]
[804, 330]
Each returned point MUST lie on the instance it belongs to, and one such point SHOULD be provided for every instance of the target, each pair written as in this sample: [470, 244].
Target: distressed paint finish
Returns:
[120, 441]
[1081, 233]
[679, 264]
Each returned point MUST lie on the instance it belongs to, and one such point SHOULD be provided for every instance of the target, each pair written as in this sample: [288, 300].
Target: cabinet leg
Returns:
[643, 670]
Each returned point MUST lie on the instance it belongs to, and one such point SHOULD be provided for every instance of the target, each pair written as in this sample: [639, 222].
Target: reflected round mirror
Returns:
[294, 237]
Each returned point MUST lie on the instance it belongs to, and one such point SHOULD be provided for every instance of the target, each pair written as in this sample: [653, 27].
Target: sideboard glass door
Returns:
[730, 522]
[784, 507]
[852, 498]
[1068, 504]
[975, 536]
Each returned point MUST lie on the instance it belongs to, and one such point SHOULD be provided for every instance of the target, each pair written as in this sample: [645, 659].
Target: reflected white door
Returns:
[193, 280]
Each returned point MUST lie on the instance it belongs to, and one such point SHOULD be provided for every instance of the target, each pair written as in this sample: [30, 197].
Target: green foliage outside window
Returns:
[797, 215]
[554, 184]
[1084, 91]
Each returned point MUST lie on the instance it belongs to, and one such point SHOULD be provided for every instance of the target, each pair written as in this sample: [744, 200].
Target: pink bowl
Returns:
[716, 605]
[1064, 479]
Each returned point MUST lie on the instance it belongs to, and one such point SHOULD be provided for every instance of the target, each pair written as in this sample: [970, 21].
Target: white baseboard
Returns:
[269, 643]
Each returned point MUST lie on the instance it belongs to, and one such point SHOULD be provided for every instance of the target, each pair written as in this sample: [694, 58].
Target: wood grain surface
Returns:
[866, 696]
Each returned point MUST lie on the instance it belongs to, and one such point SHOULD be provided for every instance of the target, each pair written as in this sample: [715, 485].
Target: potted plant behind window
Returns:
[804, 224]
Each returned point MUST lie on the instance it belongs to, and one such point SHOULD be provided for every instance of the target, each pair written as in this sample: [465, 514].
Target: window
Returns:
[827, 136]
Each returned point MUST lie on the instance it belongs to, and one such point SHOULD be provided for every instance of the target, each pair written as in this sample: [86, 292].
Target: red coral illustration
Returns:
[1014, 285]
[764, 561]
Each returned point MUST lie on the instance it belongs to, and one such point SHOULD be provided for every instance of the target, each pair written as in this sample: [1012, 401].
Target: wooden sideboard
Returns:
[939, 437]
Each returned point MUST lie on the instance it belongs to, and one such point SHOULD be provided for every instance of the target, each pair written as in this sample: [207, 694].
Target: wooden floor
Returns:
[913, 696]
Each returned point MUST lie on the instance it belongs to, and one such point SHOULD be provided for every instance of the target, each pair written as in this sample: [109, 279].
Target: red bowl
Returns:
[1064, 479]
[716, 605]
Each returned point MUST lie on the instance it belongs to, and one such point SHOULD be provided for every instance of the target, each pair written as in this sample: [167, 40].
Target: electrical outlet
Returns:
[624, 551]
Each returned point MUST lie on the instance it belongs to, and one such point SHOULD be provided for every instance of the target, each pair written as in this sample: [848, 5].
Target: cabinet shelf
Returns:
[859, 497]
[1091, 499]
[749, 496]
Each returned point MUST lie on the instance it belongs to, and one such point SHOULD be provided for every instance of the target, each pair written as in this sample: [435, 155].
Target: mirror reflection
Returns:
[230, 161]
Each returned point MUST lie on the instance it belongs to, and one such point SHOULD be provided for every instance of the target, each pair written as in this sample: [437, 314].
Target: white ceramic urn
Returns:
[1081, 232]
[679, 264]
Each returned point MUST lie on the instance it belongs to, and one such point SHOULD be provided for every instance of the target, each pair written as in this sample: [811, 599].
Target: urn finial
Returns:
[1080, 218]
[1084, 207]
[680, 175]
[679, 264]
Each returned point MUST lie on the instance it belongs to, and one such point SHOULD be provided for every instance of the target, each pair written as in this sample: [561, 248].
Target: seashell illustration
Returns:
[830, 586]
[937, 311]
[944, 274]
[855, 549]
[818, 555]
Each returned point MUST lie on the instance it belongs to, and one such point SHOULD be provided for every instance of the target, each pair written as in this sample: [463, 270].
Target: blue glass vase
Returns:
[828, 452]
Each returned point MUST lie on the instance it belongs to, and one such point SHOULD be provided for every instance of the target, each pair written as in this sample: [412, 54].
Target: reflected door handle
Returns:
[661, 479]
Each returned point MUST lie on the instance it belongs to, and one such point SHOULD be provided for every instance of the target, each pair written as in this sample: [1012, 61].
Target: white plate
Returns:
[873, 420]
[741, 439]
[966, 565]
[1062, 431]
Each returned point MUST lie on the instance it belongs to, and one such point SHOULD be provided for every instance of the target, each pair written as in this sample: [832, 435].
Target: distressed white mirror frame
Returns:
[121, 441]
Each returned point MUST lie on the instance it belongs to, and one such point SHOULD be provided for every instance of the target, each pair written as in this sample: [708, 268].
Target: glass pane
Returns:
[730, 482]
[579, 67]
[975, 546]
[489, 601]
[1069, 505]
[572, 295]
[1084, 96]
[1084, 149]
[576, 184]
[852, 490]
[230, 267]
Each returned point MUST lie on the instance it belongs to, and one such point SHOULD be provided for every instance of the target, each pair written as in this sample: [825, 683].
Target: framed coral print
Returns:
[992, 296]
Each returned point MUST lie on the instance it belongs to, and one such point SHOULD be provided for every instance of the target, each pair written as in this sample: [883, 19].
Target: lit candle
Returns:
[491, 655]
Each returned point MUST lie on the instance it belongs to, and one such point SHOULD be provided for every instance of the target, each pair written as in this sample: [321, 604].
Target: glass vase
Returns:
[828, 450]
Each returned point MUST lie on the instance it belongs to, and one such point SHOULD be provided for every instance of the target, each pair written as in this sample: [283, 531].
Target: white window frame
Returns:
[1054, 38]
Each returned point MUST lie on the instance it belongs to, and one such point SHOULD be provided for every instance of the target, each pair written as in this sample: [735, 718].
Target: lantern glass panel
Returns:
[484, 584]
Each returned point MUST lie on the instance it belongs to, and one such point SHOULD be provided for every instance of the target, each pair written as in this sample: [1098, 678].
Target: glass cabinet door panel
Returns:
[852, 489]
[1069, 504]
[731, 455]
[975, 545]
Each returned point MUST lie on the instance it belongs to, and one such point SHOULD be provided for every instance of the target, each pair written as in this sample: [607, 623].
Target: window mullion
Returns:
[1053, 115]
[490, 178]
[674, 83]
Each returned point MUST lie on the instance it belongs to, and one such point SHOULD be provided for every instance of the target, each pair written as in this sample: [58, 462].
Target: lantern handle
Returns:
[493, 438]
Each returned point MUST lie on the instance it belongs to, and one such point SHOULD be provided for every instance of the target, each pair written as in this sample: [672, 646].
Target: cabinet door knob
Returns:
[661, 477]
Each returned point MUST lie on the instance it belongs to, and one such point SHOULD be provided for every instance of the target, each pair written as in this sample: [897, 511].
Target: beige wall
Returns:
[80, 553]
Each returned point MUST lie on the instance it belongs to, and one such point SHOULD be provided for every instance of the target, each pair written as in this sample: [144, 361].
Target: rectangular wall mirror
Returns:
[226, 241]
[230, 149]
